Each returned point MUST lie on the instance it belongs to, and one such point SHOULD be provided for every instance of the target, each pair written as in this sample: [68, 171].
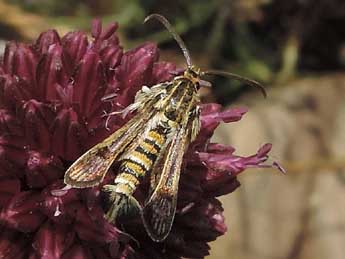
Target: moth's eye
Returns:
[197, 85]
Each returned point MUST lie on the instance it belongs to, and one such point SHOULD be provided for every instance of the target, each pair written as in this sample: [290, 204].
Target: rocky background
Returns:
[301, 214]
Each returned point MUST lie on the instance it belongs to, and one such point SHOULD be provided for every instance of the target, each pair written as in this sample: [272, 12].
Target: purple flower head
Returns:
[53, 95]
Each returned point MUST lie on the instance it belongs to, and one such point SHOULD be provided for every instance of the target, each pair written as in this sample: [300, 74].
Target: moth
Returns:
[152, 144]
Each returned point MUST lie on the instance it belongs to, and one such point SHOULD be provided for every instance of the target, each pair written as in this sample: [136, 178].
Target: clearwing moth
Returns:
[152, 143]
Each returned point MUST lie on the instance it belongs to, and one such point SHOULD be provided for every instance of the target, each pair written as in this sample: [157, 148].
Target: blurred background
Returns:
[296, 49]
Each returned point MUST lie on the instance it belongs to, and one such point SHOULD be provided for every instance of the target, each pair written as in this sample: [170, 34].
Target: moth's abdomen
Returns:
[137, 163]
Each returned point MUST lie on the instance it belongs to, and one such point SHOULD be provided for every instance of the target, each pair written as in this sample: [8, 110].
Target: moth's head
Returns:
[194, 74]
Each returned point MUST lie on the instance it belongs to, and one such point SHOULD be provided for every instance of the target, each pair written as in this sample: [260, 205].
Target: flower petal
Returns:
[111, 57]
[219, 183]
[12, 155]
[8, 188]
[74, 48]
[51, 71]
[42, 170]
[21, 212]
[233, 164]
[51, 241]
[162, 71]
[128, 253]
[9, 125]
[89, 87]
[190, 186]
[93, 227]
[176, 245]
[60, 208]
[13, 245]
[68, 135]
[20, 60]
[211, 117]
[205, 222]
[14, 90]
[96, 28]
[37, 118]
[46, 39]
[78, 251]
[109, 31]
[220, 148]
[134, 72]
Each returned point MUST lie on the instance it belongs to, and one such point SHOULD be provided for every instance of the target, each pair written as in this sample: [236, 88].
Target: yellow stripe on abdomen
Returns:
[140, 161]
[156, 137]
[141, 158]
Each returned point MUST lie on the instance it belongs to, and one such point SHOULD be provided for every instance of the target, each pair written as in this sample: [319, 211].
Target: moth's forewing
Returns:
[159, 211]
[89, 170]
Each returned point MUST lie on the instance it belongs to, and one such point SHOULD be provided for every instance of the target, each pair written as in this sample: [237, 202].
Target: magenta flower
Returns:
[53, 95]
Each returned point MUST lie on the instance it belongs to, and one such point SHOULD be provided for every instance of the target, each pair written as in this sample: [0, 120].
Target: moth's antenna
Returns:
[177, 37]
[248, 81]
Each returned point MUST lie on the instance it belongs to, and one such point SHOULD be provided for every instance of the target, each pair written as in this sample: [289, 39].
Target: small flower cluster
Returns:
[51, 105]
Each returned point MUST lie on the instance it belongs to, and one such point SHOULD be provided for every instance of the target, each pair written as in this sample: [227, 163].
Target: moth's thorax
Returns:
[193, 75]
[181, 96]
